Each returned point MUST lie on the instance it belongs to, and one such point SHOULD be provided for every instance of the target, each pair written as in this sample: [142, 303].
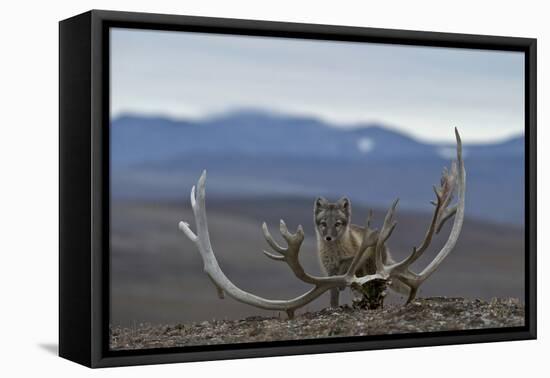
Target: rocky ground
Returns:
[422, 315]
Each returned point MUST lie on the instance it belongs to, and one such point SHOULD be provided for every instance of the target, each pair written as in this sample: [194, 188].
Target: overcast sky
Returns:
[423, 91]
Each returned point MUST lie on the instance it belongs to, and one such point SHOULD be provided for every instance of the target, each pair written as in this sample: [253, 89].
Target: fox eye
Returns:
[323, 224]
[338, 224]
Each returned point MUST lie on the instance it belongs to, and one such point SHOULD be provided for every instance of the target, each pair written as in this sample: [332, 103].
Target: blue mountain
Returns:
[257, 153]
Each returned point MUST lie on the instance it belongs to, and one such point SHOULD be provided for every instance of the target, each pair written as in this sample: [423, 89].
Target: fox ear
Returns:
[345, 204]
[320, 203]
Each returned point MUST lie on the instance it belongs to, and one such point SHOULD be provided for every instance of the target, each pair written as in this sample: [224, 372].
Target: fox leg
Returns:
[334, 293]
[343, 268]
[334, 297]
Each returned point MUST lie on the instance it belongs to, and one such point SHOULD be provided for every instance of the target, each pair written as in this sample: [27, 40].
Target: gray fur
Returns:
[338, 241]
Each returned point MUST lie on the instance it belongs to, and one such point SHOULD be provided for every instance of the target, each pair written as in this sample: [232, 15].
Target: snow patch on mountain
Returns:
[365, 145]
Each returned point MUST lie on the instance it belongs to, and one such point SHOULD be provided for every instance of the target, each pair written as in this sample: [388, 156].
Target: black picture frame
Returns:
[84, 194]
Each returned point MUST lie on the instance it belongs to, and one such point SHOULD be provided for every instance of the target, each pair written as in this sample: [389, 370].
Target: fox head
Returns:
[331, 219]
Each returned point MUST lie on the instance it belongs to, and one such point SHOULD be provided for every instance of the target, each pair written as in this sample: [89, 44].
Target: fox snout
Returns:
[330, 235]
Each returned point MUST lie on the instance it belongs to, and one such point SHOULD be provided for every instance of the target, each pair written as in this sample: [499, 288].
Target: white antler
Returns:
[373, 240]
[288, 255]
[449, 181]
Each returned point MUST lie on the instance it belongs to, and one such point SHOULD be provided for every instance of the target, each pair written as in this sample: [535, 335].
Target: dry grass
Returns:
[422, 315]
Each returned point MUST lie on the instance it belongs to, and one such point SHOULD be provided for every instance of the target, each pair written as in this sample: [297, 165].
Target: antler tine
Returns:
[290, 254]
[387, 229]
[184, 226]
[418, 251]
[291, 239]
[370, 238]
[445, 216]
[389, 224]
[272, 243]
[192, 197]
[369, 219]
[284, 230]
[199, 208]
[273, 256]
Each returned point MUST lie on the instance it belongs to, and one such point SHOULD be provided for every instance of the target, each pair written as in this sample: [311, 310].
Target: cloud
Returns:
[420, 90]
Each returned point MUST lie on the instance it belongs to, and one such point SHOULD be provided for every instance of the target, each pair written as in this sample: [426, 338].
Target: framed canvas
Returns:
[326, 149]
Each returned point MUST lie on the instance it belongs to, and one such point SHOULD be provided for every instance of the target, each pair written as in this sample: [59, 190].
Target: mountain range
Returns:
[256, 153]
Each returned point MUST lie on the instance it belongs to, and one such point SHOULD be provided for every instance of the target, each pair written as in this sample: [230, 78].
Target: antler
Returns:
[442, 213]
[372, 239]
[288, 255]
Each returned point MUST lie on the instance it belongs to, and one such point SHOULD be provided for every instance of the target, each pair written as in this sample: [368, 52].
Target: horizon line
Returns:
[347, 126]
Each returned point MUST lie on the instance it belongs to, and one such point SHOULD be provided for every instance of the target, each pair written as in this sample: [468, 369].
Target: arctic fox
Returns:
[338, 241]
